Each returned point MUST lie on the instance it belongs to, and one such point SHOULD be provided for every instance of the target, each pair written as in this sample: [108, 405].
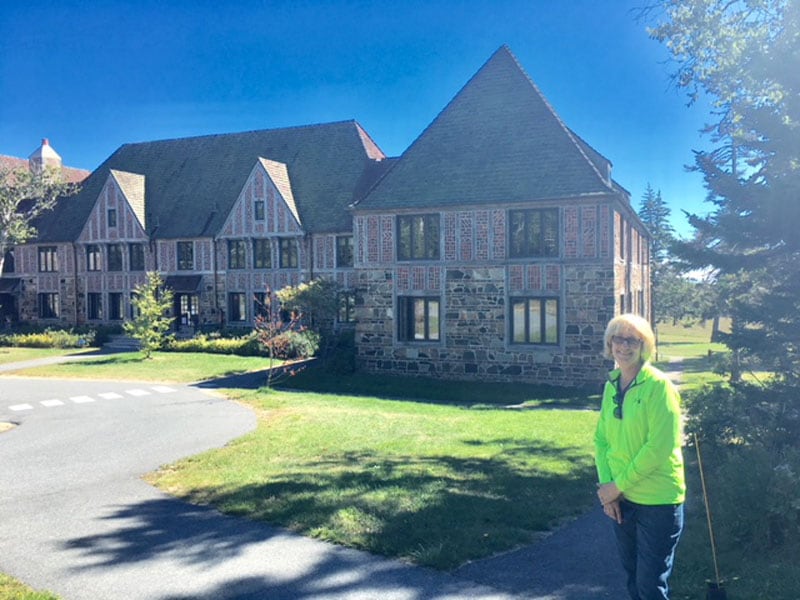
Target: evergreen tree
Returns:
[746, 56]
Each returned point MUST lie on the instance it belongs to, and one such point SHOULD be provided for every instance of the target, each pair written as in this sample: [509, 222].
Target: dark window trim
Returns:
[423, 236]
[542, 325]
[533, 218]
[406, 319]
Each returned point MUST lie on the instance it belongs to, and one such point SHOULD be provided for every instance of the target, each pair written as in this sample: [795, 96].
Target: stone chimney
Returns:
[44, 156]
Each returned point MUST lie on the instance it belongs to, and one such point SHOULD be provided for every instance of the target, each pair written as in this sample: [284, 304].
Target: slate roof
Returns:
[497, 141]
[191, 184]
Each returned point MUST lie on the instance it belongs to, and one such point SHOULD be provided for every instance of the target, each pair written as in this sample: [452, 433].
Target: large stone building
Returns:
[495, 248]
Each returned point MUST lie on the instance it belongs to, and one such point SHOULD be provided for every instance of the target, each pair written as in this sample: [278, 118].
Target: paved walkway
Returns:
[576, 562]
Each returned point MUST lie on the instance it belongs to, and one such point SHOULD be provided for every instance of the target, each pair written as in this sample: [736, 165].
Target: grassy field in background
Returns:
[162, 366]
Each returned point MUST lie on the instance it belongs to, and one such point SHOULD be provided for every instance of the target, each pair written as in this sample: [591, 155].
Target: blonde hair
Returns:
[626, 322]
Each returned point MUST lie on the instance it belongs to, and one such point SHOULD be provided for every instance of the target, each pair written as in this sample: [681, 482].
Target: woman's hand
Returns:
[608, 492]
[614, 511]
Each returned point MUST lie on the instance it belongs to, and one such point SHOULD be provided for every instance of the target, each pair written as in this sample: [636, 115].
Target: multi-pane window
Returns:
[418, 319]
[48, 259]
[418, 237]
[533, 232]
[92, 257]
[534, 320]
[236, 254]
[136, 257]
[135, 311]
[288, 253]
[8, 261]
[116, 309]
[112, 217]
[258, 209]
[262, 254]
[237, 309]
[344, 251]
[114, 257]
[260, 308]
[346, 307]
[94, 306]
[185, 256]
[49, 307]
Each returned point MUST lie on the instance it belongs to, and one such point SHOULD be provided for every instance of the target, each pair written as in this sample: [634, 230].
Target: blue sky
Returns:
[93, 75]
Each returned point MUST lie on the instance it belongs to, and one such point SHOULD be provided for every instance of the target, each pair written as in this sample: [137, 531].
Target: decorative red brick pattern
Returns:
[403, 279]
[553, 278]
[604, 231]
[589, 226]
[465, 225]
[387, 239]
[534, 278]
[516, 280]
[449, 236]
[418, 278]
[373, 225]
[482, 235]
[571, 232]
[499, 231]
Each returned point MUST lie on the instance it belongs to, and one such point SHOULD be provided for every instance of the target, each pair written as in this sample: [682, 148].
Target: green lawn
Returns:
[162, 366]
[8, 355]
[431, 482]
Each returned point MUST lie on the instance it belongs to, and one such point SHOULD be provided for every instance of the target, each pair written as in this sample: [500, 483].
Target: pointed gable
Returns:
[280, 178]
[132, 187]
[498, 140]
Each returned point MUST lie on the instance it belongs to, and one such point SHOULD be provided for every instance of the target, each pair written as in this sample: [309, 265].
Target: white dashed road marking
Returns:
[52, 403]
[82, 399]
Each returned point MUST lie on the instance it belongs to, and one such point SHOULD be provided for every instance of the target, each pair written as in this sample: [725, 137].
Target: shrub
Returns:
[749, 437]
[214, 344]
[49, 338]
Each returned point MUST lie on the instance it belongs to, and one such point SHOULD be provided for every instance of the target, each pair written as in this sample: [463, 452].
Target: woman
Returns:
[639, 459]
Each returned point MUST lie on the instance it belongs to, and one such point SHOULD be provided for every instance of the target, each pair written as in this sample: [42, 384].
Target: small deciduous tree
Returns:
[273, 328]
[24, 195]
[150, 326]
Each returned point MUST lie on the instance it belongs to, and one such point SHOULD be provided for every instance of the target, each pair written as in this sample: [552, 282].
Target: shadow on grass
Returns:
[471, 394]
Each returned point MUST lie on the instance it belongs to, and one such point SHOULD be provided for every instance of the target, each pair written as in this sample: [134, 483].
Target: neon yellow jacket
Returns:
[641, 452]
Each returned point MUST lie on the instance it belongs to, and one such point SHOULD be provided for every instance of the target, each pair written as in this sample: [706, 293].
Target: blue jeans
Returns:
[646, 541]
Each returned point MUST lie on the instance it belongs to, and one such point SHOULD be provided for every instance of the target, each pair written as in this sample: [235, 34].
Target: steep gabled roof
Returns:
[280, 178]
[71, 174]
[498, 140]
[132, 186]
[192, 183]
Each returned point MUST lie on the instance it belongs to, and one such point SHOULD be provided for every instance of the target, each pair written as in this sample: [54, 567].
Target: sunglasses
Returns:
[618, 398]
[630, 342]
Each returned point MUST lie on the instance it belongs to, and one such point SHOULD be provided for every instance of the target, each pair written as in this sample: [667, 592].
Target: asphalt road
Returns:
[78, 520]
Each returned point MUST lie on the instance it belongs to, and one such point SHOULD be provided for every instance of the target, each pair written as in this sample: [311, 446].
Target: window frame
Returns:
[407, 319]
[241, 309]
[184, 254]
[114, 250]
[542, 328]
[116, 306]
[423, 233]
[237, 254]
[288, 253]
[48, 305]
[345, 255]
[94, 306]
[48, 259]
[111, 217]
[541, 246]
[259, 245]
[259, 211]
[133, 257]
[93, 257]
[346, 306]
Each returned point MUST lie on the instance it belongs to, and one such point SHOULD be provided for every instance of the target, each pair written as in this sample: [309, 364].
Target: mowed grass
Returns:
[434, 483]
[11, 589]
[161, 366]
[13, 354]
